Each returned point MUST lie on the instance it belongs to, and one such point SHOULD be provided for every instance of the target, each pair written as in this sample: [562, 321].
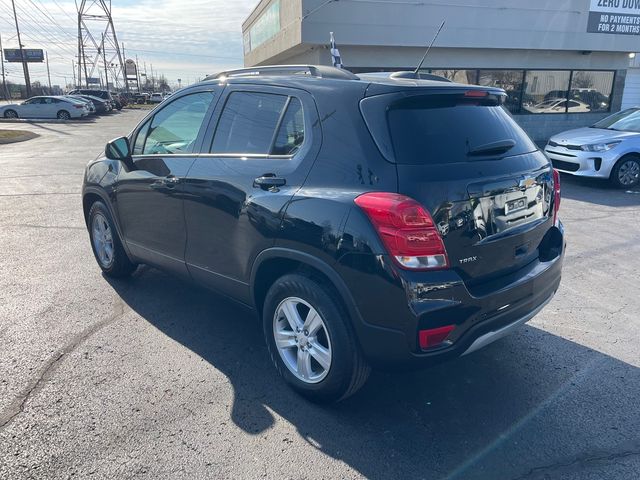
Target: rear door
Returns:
[261, 143]
[486, 184]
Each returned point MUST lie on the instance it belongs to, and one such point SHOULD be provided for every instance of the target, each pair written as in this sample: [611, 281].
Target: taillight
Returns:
[79, 106]
[406, 229]
[476, 93]
[556, 194]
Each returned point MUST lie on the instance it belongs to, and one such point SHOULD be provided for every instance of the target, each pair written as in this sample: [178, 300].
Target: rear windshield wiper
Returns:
[501, 146]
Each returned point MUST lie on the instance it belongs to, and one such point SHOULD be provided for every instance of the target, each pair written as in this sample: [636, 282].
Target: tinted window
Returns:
[174, 129]
[248, 123]
[592, 89]
[443, 130]
[291, 132]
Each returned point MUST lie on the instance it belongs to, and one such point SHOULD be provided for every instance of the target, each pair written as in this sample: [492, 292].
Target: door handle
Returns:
[169, 181]
[269, 181]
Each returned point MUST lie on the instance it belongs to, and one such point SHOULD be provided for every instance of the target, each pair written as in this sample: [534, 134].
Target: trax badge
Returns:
[468, 260]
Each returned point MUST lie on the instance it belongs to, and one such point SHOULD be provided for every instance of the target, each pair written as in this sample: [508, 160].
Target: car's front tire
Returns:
[64, 115]
[106, 244]
[10, 114]
[310, 340]
[626, 173]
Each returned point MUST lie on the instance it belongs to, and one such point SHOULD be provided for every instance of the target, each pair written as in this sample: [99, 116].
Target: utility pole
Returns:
[25, 67]
[153, 81]
[124, 69]
[5, 92]
[138, 74]
[46, 56]
[104, 59]
[73, 71]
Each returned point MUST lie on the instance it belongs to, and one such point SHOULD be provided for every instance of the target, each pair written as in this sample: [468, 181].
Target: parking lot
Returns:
[155, 378]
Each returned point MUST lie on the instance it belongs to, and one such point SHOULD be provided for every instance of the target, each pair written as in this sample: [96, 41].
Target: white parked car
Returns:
[559, 105]
[63, 108]
[156, 98]
[609, 149]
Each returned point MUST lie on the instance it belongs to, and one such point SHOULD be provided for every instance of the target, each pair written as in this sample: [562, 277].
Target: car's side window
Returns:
[248, 123]
[291, 132]
[138, 146]
[174, 129]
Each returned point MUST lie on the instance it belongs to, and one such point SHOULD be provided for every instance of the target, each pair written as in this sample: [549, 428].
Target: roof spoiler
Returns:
[418, 76]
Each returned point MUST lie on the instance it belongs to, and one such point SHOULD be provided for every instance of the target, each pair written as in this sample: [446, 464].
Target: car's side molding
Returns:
[313, 262]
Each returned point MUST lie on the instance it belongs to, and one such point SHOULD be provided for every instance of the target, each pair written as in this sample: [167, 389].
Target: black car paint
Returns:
[233, 231]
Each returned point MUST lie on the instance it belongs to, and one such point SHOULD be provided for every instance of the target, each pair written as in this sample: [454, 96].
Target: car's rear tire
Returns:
[10, 114]
[106, 244]
[320, 358]
[64, 115]
[626, 173]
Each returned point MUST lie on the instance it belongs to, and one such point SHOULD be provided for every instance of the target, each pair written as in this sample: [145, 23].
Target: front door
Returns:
[149, 196]
[264, 143]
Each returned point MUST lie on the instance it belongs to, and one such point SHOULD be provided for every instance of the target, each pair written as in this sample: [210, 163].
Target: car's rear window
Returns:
[442, 129]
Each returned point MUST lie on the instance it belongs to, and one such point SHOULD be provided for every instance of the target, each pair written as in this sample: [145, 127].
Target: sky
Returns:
[184, 39]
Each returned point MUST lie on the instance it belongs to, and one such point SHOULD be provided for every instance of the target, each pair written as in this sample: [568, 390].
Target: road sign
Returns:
[31, 55]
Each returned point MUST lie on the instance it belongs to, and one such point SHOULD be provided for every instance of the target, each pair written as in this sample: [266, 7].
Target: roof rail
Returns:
[419, 76]
[319, 71]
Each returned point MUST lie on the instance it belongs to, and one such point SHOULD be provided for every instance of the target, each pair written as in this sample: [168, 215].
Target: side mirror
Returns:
[118, 149]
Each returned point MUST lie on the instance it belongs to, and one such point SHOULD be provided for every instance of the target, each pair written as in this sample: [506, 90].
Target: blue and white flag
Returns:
[335, 54]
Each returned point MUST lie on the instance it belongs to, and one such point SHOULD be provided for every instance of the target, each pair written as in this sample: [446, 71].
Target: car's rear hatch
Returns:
[459, 153]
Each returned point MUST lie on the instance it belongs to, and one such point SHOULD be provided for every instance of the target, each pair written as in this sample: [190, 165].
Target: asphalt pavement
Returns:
[155, 378]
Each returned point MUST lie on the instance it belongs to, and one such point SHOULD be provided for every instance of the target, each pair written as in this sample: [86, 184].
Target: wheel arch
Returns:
[90, 195]
[274, 262]
[632, 154]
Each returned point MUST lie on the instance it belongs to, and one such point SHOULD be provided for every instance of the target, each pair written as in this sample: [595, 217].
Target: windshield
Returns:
[442, 130]
[626, 121]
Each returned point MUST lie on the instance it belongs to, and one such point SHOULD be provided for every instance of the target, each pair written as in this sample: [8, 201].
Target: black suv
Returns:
[104, 94]
[372, 220]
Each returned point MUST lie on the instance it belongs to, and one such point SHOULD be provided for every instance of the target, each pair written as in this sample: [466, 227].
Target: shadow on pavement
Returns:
[533, 405]
[601, 192]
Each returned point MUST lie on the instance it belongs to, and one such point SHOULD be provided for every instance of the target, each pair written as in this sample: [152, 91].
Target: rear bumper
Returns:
[394, 305]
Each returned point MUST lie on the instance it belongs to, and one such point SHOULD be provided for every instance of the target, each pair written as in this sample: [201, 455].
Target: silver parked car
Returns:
[609, 149]
[63, 108]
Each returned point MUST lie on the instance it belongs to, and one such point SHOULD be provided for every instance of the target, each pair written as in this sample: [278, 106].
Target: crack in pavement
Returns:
[546, 469]
[17, 405]
[31, 225]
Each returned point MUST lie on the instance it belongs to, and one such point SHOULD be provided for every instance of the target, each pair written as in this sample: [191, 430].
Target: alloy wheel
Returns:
[629, 173]
[10, 114]
[302, 340]
[102, 240]
[64, 116]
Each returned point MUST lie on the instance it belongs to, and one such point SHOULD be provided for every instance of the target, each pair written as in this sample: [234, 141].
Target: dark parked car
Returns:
[104, 94]
[101, 105]
[373, 220]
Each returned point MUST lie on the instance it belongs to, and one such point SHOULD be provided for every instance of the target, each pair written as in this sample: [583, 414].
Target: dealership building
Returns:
[563, 63]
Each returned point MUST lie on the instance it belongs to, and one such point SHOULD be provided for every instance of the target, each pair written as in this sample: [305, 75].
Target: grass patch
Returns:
[135, 106]
[11, 134]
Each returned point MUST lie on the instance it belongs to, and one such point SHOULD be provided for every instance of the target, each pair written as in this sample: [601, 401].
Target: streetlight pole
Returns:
[25, 67]
[46, 56]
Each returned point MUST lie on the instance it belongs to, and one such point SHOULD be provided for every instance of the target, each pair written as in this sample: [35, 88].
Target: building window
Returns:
[509, 80]
[458, 76]
[592, 89]
[265, 27]
[546, 92]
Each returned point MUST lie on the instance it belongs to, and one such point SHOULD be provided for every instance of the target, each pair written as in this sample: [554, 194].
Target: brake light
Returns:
[556, 194]
[434, 336]
[476, 93]
[79, 106]
[406, 230]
